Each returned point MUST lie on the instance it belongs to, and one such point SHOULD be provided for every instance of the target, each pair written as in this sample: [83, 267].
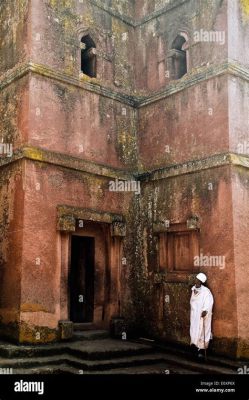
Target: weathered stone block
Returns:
[159, 227]
[118, 328]
[65, 329]
[193, 223]
[118, 229]
[66, 223]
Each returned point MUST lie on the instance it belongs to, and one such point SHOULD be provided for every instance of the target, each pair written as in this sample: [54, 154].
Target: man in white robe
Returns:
[201, 305]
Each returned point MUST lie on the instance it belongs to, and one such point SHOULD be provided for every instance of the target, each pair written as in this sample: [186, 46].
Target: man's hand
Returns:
[204, 313]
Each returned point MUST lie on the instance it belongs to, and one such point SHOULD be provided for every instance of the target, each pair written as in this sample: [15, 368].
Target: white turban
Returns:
[202, 277]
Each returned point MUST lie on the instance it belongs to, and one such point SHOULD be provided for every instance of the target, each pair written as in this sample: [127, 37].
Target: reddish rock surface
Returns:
[184, 141]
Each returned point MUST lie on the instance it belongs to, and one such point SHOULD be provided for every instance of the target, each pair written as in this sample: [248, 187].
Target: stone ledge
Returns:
[194, 77]
[67, 216]
[89, 84]
[12, 75]
[69, 162]
[64, 160]
[191, 224]
[215, 161]
[168, 277]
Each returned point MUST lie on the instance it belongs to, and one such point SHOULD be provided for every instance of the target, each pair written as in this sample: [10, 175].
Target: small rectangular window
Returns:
[178, 248]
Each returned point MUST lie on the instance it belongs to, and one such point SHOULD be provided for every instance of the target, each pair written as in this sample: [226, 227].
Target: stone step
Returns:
[168, 362]
[27, 363]
[107, 349]
[12, 350]
[153, 369]
[212, 359]
[85, 326]
[81, 364]
[123, 362]
[85, 349]
[47, 370]
[91, 335]
[103, 355]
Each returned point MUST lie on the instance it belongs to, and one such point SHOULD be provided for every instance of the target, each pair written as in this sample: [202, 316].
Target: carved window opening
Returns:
[88, 57]
[178, 57]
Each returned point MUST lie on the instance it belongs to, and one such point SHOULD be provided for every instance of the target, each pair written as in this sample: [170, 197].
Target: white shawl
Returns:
[200, 327]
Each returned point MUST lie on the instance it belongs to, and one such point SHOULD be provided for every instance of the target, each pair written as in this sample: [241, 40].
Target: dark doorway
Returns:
[82, 279]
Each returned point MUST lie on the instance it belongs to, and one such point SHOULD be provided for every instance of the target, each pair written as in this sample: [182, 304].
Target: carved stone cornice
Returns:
[168, 171]
[68, 215]
[137, 22]
[66, 161]
[194, 77]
